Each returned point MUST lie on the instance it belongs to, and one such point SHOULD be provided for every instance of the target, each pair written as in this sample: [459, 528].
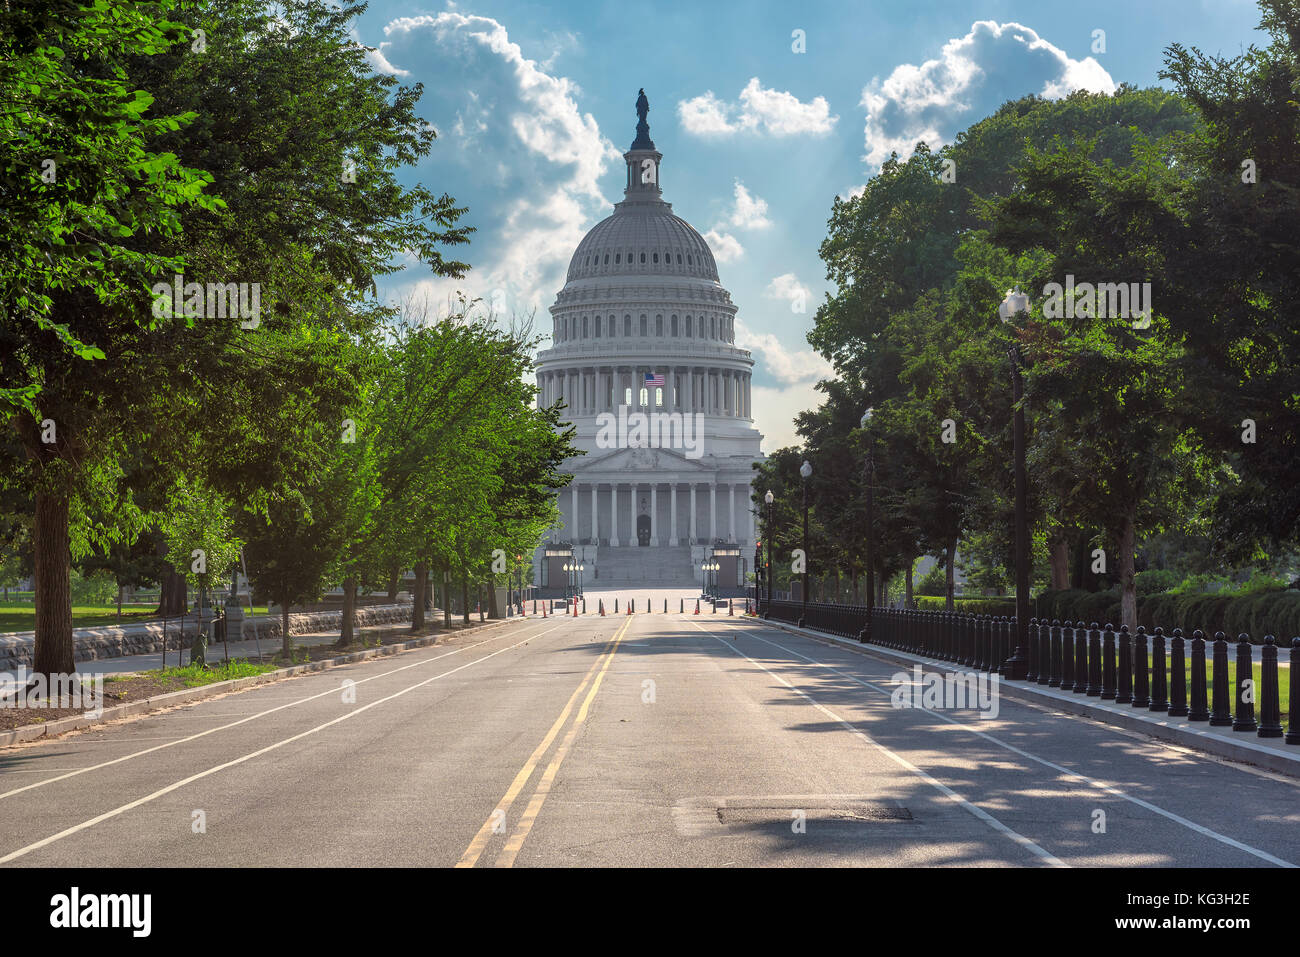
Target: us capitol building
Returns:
[643, 329]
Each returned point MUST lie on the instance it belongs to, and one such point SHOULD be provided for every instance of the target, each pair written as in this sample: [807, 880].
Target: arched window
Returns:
[713, 327]
[656, 257]
[659, 397]
[645, 397]
[616, 260]
[679, 259]
[627, 396]
[659, 325]
[674, 326]
[627, 325]
[643, 259]
[584, 327]
[612, 326]
[606, 259]
[689, 334]
[643, 325]
[595, 326]
[688, 259]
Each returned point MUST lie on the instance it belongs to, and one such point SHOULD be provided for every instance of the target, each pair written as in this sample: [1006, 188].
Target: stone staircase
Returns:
[637, 565]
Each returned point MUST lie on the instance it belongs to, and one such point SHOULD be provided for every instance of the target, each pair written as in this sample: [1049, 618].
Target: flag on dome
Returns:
[653, 379]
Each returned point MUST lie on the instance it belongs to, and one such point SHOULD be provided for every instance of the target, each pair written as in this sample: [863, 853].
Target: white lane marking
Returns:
[85, 825]
[979, 812]
[1099, 785]
[244, 720]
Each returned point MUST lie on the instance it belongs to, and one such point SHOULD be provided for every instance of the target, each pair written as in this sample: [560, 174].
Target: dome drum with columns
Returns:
[643, 297]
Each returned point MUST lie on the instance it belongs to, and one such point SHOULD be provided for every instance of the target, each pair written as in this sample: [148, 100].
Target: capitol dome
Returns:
[644, 327]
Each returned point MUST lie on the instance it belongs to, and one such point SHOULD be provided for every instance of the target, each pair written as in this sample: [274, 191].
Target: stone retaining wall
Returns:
[115, 641]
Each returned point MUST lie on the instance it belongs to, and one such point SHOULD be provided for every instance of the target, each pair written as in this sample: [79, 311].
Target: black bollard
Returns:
[1246, 690]
[1270, 704]
[616, 606]
[1067, 656]
[665, 606]
[1220, 715]
[1108, 662]
[1293, 729]
[1124, 668]
[1031, 675]
[681, 606]
[1141, 689]
[1080, 658]
[1054, 676]
[1159, 685]
[1199, 709]
[1177, 676]
[1094, 661]
[1046, 631]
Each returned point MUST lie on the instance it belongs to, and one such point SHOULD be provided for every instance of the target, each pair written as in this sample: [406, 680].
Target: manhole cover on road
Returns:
[813, 809]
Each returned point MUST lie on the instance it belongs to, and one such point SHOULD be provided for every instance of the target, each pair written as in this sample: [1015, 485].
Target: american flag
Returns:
[653, 379]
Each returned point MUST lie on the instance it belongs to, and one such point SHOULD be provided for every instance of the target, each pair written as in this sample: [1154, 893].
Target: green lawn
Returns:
[1283, 677]
[192, 676]
[21, 616]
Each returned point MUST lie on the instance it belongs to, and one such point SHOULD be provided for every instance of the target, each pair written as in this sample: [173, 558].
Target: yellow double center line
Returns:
[502, 810]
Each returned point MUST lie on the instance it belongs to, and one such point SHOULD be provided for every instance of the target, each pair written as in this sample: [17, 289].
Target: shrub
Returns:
[97, 588]
[968, 606]
[1155, 580]
[934, 582]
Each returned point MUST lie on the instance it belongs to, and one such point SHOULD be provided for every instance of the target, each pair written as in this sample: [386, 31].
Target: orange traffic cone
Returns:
[602, 608]
[730, 613]
[544, 615]
[697, 606]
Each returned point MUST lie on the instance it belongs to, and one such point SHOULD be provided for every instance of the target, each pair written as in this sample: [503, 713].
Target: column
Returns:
[573, 512]
[688, 380]
[595, 521]
[693, 535]
[632, 539]
[731, 522]
[727, 397]
[713, 512]
[672, 516]
[613, 513]
[654, 515]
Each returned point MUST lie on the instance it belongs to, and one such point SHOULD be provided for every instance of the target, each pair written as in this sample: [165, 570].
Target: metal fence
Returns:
[1145, 671]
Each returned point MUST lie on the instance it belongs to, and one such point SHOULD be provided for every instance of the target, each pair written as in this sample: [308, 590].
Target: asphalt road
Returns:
[652, 739]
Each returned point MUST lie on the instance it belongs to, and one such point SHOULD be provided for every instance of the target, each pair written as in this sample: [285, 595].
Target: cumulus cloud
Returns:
[762, 110]
[972, 76]
[726, 247]
[788, 287]
[788, 366]
[750, 212]
[776, 408]
[531, 160]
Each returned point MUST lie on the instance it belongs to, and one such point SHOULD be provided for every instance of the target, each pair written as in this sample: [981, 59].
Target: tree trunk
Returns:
[908, 597]
[393, 581]
[464, 597]
[446, 597]
[494, 612]
[417, 600]
[53, 653]
[1060, 560]
[173, 594]
[347, 622]
[1127, 576]
[286, 642]
[950, 577]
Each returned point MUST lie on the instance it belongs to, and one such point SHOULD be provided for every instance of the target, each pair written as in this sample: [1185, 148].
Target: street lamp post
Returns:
[805, 471]
[1017, 666]
[865, 634]
[769, 498]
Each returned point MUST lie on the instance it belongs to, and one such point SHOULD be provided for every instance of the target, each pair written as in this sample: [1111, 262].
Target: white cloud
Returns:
[759, 110]
[788, 287]
[971, 78]
[776, 408]
[531, 159]
[726, 247]
[788, 366]
[750, 211]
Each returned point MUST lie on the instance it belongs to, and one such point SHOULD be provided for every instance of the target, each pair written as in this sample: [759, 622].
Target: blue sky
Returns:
[534, 105]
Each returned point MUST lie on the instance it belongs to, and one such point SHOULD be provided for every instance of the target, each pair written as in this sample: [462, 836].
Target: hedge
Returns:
[968, 606]
[1256, 614]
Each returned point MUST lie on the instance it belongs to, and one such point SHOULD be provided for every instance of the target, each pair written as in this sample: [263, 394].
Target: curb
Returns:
[1171, 731]
[51, 729]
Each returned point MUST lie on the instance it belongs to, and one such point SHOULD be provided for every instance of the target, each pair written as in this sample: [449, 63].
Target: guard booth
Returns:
[727, 580]
[555, 580]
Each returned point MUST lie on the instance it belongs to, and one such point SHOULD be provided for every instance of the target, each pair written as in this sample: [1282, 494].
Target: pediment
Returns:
[638, 460]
